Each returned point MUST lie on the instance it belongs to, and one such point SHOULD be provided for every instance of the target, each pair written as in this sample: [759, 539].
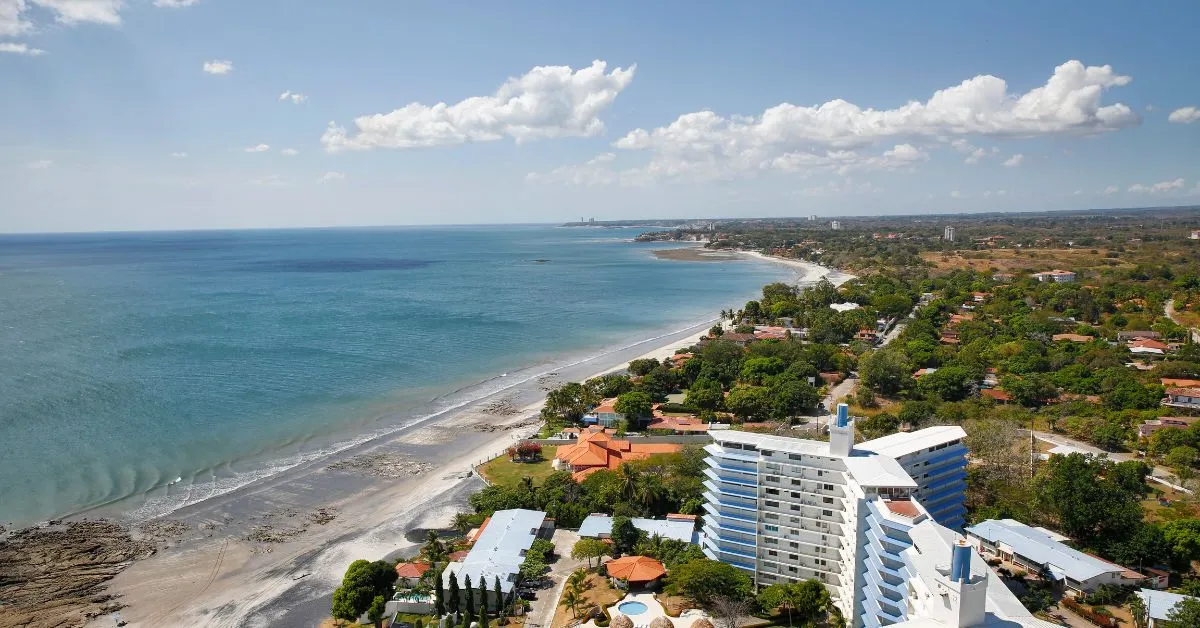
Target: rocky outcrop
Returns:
[58, 575]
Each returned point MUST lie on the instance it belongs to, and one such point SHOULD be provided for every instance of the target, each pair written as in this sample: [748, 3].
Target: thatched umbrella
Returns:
[621, 621]
[702, 623]
[661, 622]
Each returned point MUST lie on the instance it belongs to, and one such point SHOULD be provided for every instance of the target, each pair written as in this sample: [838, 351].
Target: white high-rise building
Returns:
[948, 234]
[835, 225]
[787, 509]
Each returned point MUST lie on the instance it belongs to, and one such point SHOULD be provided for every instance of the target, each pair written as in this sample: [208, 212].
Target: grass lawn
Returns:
[597, 592]
[505, 472]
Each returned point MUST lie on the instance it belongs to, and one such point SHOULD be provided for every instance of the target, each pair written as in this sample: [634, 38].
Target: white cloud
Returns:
[706, 144]
[20, 49]
[11, 22]
[295, 97]
[218, 66]
[1156, 188]
[1112, 189]
[1184, 115]
[546, 102]
[180, 155]
[975, 156]
[75, 11]
[289, 152]
[174, 4]
[1014, 161]
[40, 164]
[330, 177]
[258, 148]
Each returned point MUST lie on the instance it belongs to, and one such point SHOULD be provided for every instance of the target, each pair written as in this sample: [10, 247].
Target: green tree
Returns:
[434, 551]
[500, 605]
[345, 605]
[588, 549]
[439, 601]
[1182, 459]
[705, 394]
[1090, 507]
[363, 581]
[704, 580]
[949, 383]
[643, 366]
[791, 398]
[805, 601]
[886, 370]
[376, 611]
[470, 595]
[1137, 611]
[755, 370]
[1183, 539]
[634, 405]
[624, 535]
[571, 599]
[1186, 614]
[452, 602]
[569, 402]
[749, 402]
[483, 603]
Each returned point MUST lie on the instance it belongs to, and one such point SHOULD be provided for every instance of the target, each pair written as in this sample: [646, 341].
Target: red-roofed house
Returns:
[596, 450]
[998, 395]
[1173, 382]
[1182, 398]
[409, 573]
[1164, 422]
[1147, 346]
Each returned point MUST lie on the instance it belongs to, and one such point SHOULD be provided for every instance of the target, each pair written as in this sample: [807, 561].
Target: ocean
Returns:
[137, 364]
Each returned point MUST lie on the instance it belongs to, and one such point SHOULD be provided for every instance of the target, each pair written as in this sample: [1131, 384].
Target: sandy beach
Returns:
[271, 553]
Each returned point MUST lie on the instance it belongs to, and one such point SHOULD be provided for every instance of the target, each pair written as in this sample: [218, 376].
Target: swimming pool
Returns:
[631, 608]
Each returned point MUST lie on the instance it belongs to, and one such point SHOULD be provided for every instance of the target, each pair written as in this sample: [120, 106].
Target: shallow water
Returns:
[130, 361]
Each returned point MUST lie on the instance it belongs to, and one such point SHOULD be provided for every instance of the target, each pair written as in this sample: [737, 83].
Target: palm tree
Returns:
[577, 579]
[630, 478]
[571, 599]
[434, 551]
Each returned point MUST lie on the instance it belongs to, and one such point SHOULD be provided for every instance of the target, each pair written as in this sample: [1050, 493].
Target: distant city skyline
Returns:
[203, 114]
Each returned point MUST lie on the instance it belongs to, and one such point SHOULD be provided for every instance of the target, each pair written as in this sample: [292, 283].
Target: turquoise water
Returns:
[128, 361]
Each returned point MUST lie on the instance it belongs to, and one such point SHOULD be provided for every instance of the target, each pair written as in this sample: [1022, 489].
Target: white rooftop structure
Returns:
[878, 471]
[598, 525]
[1038, 545]
[1159, 604]
[499, 550]
[844, 307]
[904, 443]
[939, 598]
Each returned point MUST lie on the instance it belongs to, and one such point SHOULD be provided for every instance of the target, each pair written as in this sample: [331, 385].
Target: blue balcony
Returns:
[932, 500]
[737, 552]
[726, 527]
[731, 479]
[957, 451]
[717, 488]
[934, 484]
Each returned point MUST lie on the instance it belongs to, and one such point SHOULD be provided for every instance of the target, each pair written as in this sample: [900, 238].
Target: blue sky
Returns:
[169, 114]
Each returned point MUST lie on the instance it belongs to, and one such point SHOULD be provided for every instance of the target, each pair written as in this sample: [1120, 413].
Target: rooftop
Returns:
[878, 471]
[905, 443]
[597, 525]
[1159, 604]
[499, 550]
[1040, 546]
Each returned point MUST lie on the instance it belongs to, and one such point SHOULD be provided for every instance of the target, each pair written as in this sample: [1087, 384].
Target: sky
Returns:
[197, 114]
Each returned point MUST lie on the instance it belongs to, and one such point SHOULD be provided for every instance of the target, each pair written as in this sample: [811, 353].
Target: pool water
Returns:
[631, 608]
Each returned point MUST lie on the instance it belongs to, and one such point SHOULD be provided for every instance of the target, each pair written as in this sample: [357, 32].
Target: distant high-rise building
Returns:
[812, 218]
[835, 225]
[948, 234]
[788, 509]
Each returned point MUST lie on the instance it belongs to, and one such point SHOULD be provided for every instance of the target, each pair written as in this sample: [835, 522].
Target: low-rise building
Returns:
[1150, 426]
[1182, 398]
[676, 527]
[595, 450]
[500, 549]
[1159, 605]
[604, 414]
[1056, 276]
[1146, 346]
[1042, 552]
[1137, 334]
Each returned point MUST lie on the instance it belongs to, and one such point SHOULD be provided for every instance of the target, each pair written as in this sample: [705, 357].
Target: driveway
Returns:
[541, 611]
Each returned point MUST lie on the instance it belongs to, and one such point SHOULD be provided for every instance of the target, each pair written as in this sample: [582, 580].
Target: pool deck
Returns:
[653, 610]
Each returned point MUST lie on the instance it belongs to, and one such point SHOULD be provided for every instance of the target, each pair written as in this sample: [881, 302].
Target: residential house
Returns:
[868, 336]
[979, 297]
[500, 550]
[990, 379]
[1135, 334]
[1042, 552]
[1159, 604]
[1147, 346]
[677, 424]
[674, 526]
[996, 394]
[1150, 426]
[925, 371]
[605, 414]
[1072, 338]
[738, 338]
[409, 574]
[596, 450]
[1056, 276]
[1003, 277]
[1182, 398]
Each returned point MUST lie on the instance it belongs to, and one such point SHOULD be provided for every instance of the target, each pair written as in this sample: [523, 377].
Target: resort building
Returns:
[1040, 551]
[1056, 276]
[675, 527]
[788, 509]
[500, 549]
[596, 449]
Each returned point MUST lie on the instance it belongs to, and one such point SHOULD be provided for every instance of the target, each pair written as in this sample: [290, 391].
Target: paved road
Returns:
[541, 612]
[1170, 312]
[1162, 473]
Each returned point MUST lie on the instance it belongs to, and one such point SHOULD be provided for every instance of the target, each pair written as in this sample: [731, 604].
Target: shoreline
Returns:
[272, 550]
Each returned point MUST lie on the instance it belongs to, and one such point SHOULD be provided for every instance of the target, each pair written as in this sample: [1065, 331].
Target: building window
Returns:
[795, 457]
[772, 491]
[827, 500]
[828, 487]
[794, 545]
[772, 478]
[793, 557]
[772, 553]
[820, 473]
[771, 515]
[795, 507]
[771, 528]
[772, 504]
[827, 513]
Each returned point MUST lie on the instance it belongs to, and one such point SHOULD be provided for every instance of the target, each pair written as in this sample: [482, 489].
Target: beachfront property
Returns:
[596, 448]
[1056, 276]
[500, 549]
[1041, 551]
[674, 526]
[789, 509]
[1159, 605]
[604, 415]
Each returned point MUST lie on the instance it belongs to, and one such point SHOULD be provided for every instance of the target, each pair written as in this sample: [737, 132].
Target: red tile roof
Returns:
[411, 570]
[635, 569]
